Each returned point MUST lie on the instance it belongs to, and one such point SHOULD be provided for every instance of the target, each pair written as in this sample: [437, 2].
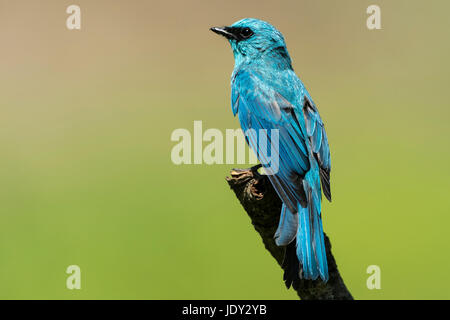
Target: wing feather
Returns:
[260, 107]
[319, 144]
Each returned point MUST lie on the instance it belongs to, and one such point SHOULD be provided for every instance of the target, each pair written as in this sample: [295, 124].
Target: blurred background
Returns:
[86, 176]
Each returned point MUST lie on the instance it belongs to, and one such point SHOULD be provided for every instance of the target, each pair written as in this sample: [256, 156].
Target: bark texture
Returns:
[263, 206]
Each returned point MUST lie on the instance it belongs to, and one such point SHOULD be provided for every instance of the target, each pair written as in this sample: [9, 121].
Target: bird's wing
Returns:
[319, 143]
[262, 108]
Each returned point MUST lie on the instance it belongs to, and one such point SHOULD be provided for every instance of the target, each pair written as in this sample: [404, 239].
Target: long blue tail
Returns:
[310, 243]
[306, 257]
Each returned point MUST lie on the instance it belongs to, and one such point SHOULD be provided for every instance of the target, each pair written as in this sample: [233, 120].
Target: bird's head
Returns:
[255, 40]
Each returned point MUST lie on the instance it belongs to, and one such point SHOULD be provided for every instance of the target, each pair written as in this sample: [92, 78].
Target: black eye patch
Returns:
[240, 33]
[246, 33]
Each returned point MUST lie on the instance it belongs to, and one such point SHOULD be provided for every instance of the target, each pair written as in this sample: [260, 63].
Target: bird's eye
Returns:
[246, 33]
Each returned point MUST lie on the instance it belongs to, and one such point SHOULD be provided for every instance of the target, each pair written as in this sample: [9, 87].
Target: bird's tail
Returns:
[305, 258]
[310, 240]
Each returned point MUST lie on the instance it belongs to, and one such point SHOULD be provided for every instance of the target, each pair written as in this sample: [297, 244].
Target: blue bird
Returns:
[267, 94]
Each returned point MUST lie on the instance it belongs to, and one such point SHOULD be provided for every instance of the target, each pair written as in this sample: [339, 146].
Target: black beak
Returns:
[224, 31]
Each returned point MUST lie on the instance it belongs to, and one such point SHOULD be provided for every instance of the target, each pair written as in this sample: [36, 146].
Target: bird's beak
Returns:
[224, 31]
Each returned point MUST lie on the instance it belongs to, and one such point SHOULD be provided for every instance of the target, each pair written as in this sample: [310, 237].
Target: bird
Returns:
[267, 95]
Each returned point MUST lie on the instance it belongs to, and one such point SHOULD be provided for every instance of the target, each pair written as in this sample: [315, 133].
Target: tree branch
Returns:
[263, 206]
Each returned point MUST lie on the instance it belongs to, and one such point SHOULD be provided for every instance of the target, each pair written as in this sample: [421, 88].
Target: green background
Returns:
[85, 171]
